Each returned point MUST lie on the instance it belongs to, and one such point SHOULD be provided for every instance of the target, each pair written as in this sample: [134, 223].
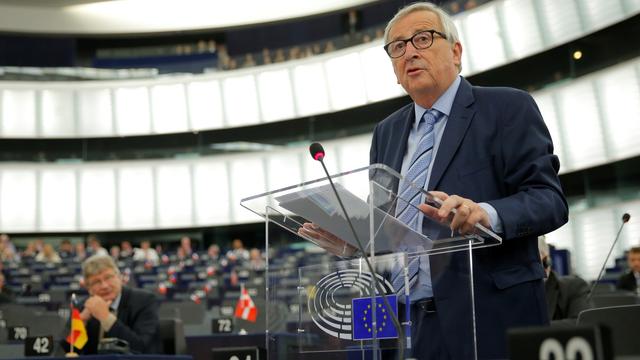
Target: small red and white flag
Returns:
[246, 309]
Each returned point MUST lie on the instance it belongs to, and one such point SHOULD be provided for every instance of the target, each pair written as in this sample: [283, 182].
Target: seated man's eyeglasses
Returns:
[97, 281]
[420, 40]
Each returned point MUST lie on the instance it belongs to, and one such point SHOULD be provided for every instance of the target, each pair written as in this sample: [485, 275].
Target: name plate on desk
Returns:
[18, 333]
[238, 353]
[547, 343]
[38, 346]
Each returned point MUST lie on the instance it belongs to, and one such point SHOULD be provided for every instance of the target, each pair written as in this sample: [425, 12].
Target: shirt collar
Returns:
[116, 302]
[443, 104]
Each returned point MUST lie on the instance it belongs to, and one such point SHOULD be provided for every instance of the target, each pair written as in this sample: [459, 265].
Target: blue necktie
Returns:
[409, 197]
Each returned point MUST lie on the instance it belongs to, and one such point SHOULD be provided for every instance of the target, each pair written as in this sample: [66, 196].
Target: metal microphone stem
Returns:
[605, 262]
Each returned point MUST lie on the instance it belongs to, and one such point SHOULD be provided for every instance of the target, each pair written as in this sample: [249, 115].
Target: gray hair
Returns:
[97, 264]
[448, 26]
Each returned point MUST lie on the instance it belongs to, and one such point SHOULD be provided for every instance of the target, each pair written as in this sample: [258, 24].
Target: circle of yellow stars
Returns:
[384, 317]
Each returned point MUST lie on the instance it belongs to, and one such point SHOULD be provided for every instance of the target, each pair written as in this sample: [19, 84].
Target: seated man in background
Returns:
[146, 253]
[114, 311]
[631, 280]
[65, 250]
[238, 253]
[566, 296]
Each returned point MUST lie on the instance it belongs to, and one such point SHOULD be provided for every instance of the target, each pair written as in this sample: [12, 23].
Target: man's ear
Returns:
[457, 54]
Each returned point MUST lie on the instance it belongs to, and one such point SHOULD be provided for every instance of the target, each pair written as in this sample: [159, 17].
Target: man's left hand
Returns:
[468, 213]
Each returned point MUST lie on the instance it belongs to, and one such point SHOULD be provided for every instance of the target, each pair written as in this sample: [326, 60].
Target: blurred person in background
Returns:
[6, 295]
[48, 255]
[94, 247]
[237, 254]
[8, 254]
[126, 250]
[5, 241]
[470, 4]
[30, 251]
[114, 251]
[116, 311]
[566, 296]
[256, 261]
[146, 253]
[329, 47]
[279, 56]
[181, 254]
[159, 249]
[65, 250]
[213, 252]
[266, 56]
[631, 280]
[352, 22]
[248, 60]
[185, 245]
[81, 251]
[39, 244]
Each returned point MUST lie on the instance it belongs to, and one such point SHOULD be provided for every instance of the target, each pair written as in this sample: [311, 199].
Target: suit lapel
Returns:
[462, 113]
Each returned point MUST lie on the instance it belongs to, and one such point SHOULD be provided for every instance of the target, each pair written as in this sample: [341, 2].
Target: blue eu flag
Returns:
[361, 318]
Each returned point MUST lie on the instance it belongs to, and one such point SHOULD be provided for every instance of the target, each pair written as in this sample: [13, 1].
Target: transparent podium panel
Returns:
[349, 293]
[345, 307]
[335, 306]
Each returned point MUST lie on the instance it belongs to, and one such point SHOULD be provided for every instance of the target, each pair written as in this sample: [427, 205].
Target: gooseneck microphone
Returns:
[625, 219]
[317, 152]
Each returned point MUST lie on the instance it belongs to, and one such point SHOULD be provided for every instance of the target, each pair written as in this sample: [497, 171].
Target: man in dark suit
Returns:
[566, 296]
[489, 154]
[114, 311]
[631, 280]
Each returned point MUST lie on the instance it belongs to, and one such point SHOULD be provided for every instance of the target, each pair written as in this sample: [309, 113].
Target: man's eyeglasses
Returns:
[420, 40]
[97, 281]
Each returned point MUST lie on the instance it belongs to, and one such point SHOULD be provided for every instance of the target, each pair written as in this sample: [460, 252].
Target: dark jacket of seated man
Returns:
[627, 282]
[117, 311]
[566, 296]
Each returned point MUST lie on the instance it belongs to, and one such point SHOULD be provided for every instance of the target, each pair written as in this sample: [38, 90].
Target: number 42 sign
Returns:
[38, 346]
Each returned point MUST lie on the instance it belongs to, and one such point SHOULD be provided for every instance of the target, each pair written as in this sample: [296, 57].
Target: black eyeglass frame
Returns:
[405, 41]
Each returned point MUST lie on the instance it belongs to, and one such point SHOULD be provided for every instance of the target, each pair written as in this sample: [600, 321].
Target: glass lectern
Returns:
[350, 300]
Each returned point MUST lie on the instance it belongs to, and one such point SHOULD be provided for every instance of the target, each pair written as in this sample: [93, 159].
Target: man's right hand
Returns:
[327, 240]
[97, 307]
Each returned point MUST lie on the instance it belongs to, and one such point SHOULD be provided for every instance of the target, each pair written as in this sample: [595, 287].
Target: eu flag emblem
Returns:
[361, 318]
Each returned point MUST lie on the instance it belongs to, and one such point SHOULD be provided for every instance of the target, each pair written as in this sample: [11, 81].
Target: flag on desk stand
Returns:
[246, 309]
[78, 334]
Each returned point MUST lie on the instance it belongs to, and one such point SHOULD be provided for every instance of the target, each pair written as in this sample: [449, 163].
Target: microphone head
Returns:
[317, 151]
[626, 217]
